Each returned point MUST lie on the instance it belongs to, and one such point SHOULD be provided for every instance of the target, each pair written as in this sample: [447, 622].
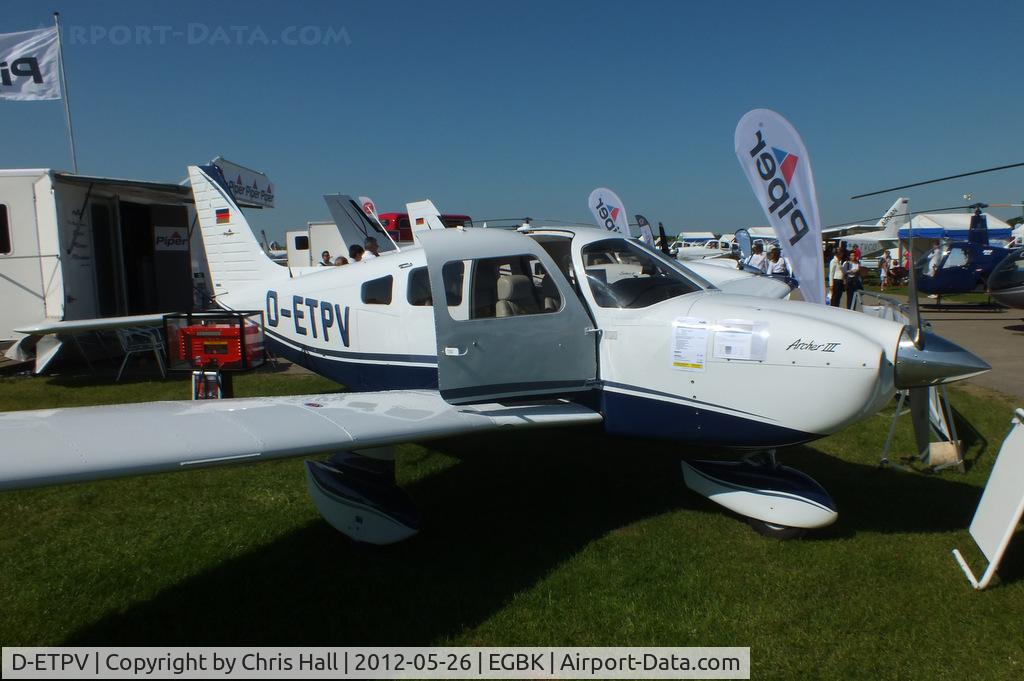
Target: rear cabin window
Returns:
[5, 231]
[418, 290]
[377, 291]
[302, 243]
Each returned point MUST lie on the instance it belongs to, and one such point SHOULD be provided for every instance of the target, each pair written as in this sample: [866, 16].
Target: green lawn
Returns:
[974, 298]
[558, 538]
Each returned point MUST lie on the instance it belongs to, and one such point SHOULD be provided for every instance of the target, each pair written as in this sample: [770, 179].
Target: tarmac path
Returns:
[994, 334]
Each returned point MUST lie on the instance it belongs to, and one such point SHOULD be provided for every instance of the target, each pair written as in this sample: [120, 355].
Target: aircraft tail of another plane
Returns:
[423, 215]
[897, 216]
[233, 253]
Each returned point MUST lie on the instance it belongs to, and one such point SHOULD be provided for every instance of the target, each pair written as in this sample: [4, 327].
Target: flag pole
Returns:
[66, 97]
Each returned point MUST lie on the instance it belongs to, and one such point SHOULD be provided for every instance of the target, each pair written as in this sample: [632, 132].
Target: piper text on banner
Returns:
[29, 65]
[776, 163]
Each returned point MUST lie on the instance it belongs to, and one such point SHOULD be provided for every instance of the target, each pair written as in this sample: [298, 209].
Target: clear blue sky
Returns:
[503, 109]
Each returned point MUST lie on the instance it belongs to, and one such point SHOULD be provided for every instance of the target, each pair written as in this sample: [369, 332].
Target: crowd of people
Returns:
[771, 263]
[356, 253]
[845, 275]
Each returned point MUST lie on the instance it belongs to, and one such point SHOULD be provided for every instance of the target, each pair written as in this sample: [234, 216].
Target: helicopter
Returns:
[960, 266]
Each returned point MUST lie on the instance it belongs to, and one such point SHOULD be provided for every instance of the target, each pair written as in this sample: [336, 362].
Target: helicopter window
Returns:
[377, 291]
[957, 257]
[624, 275]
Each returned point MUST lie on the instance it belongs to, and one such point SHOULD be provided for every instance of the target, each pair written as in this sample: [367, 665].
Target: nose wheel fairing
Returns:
[773, 494]
[357, 495]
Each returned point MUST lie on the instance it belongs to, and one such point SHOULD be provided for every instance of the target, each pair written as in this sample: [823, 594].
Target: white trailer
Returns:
[76, 247]
[306, 246]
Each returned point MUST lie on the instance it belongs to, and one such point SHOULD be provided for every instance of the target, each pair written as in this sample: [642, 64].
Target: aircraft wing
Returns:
[43, 346]
[53, 446]
[847, 230]
[95, 324]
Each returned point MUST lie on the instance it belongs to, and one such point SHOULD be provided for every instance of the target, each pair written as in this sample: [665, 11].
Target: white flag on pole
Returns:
[775, 161]
[608, 210]
[30, 65]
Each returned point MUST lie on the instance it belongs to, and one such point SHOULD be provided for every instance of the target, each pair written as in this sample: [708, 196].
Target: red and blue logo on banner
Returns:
[787, 163]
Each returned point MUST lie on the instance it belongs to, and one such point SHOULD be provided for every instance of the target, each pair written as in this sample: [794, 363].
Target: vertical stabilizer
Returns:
[423, 215]
[897, 216]
[235, 257]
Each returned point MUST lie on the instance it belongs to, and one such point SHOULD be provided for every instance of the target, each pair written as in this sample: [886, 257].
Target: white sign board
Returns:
[689, 343]
[1001, 506]
[250, 187]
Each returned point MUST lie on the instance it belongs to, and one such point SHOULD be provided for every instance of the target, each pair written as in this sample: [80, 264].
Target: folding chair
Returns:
[135, 340]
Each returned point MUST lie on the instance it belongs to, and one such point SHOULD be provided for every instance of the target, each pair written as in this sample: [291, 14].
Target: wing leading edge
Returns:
[54, 446]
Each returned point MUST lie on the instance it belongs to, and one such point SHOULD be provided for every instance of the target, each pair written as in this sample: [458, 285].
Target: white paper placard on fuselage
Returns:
[741, 339]
[689, 343]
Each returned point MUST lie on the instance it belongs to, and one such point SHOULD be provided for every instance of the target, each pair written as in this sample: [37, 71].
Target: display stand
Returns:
[1001, 506]
[945, 411]
[213, 345]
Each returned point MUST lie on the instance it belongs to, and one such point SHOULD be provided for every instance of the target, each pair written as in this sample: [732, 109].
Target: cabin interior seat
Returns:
[516, 296]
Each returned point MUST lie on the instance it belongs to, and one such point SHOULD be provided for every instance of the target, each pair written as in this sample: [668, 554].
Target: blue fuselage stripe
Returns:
[651, 415]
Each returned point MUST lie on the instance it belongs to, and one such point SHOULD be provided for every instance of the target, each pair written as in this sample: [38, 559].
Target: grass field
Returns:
[558, 538]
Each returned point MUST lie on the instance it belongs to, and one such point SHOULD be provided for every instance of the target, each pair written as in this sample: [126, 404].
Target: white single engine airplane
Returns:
[483, 330]
[881, 236]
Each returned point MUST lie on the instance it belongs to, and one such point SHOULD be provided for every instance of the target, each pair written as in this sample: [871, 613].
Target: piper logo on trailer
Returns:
[170, 239]
[776, 167]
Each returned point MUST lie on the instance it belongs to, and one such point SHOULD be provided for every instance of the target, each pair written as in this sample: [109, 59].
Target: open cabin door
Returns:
[508, 323]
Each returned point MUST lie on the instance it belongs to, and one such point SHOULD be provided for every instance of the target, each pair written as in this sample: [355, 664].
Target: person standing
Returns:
[776, 265]
[852, 279]
[884, 264]
[757, 258]
[325, 259]
[355, 253]
[836, 276]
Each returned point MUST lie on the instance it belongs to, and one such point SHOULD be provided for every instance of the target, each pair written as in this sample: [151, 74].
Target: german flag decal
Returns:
[223, 216]
[419, 221]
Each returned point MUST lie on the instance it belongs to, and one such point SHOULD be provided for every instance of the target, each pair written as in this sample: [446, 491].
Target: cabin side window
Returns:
[5, 230]
[302, 243]
[377, 291]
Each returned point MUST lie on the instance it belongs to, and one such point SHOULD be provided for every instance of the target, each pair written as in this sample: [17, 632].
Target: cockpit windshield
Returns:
[624, 274]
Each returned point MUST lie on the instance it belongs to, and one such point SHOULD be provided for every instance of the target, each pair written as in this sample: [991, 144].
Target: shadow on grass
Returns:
[495, 524]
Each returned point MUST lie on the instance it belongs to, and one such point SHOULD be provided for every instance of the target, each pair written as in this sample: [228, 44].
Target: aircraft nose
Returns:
[937, 361]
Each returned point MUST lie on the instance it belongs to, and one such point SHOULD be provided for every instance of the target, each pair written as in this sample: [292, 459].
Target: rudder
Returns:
[235, 257]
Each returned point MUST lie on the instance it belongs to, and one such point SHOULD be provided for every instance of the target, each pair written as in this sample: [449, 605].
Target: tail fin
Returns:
[894, 218]
[423, 215]
[354, 225]
[235, 257]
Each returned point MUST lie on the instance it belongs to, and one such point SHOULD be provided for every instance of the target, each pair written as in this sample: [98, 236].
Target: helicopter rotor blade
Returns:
[940, 179]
